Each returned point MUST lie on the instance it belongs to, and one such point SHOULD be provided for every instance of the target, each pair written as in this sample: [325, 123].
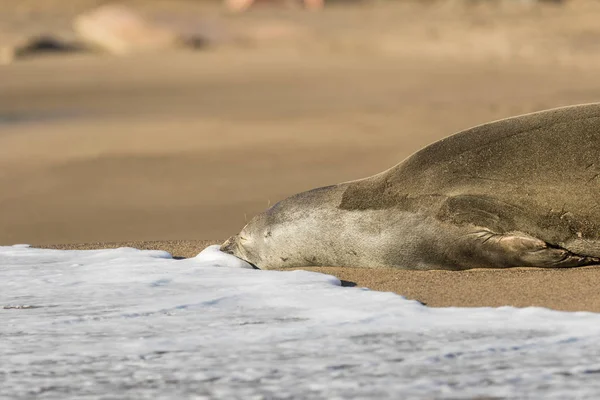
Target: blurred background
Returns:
[181, 119]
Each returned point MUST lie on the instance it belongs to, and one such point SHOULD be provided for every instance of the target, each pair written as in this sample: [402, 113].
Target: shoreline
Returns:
[568, 289]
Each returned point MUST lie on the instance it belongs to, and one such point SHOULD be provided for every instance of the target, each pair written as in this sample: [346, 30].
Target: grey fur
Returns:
[522, 191]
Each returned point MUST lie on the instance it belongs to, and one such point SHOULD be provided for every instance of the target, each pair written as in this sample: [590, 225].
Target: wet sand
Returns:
[174, 150]
[569, 289]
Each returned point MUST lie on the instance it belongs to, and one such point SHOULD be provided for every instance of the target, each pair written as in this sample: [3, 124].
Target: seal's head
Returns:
[280, 236]
[267, 241]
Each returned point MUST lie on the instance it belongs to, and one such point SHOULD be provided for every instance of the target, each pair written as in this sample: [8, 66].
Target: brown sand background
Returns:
[176, 150]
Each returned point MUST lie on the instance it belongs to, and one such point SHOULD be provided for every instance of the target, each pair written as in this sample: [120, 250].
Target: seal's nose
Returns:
[229, 245]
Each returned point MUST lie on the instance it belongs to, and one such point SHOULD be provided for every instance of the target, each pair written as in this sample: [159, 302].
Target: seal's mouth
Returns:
[232, 246]
[229, 246]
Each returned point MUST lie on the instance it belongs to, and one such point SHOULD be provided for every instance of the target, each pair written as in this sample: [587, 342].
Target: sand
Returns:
[569, 289]
[177, 149]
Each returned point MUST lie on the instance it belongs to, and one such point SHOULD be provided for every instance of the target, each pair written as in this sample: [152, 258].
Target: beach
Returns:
[176, 150]
[569, 289]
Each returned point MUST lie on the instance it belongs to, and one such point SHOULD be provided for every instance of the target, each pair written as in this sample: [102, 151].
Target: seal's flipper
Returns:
[518, 249]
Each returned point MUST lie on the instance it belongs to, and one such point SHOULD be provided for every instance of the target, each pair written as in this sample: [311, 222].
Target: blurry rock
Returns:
[10, 47]
[194, 31]
[39, 44]
[238, 5]
[314, 4]
[242, 5]
[120, 30]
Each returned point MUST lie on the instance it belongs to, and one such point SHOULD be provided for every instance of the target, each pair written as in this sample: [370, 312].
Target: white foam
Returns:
[138, 324]
[214, 257]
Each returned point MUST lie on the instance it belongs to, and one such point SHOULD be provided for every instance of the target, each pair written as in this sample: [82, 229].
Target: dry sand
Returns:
[165, 151]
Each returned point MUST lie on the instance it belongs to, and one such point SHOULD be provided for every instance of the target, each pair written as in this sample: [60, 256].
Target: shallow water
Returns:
[137, 324]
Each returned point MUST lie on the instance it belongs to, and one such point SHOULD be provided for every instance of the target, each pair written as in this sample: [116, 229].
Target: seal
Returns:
[519, 192]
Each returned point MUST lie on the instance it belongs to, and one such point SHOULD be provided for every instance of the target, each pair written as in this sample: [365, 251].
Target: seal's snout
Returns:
[229, 245]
